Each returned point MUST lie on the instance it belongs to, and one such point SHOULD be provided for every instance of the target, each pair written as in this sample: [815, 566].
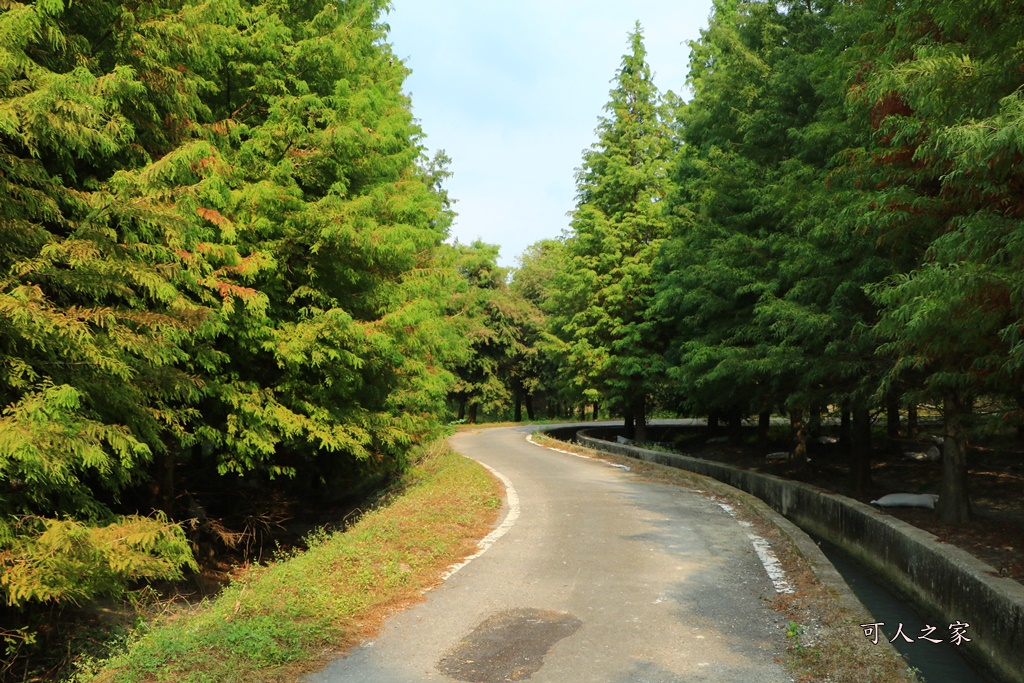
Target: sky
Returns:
[512, 92]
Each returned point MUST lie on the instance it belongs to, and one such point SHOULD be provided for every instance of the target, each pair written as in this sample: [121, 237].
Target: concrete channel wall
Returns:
[941, 578]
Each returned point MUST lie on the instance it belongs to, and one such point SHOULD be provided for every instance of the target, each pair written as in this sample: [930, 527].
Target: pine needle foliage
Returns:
[944, 92]
[619, 223]
[501, 365]
[834, 221]
[219, 246]
[96, 314]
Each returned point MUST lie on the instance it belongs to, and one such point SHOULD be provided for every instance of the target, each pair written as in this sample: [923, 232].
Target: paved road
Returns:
[601, 579]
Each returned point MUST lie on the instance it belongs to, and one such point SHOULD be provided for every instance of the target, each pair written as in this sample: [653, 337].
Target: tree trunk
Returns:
[462, 410]
[713, 417]
[913, 429]
[860, 450]
[165, 487]
[640, 413]
[764, 424]
[796, 423]
[518, 417]
[735, 426]
[472, 413]
[528, 400]
[954, 504]
[845, 431]
[892, 416]
[814, 422]
[630, 426]
[597, 411]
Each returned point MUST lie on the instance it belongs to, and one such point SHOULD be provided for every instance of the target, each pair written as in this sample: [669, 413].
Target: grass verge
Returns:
[824, 641]
[279, 620]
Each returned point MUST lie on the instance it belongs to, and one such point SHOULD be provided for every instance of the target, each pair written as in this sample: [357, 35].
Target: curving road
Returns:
[601, 579]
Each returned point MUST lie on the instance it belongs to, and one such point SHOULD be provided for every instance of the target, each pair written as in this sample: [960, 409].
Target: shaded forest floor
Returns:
[995, 483]
[231, 529]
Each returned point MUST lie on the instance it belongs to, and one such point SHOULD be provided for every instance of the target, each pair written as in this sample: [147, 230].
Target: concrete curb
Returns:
[939, 577]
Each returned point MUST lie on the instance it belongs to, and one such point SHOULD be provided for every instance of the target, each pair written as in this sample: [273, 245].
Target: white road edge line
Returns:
[529, 437]
[764, 553]
[771, 563]
[502, 529]
[761, 546]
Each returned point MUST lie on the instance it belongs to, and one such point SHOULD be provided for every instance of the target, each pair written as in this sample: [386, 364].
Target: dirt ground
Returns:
[996, 487]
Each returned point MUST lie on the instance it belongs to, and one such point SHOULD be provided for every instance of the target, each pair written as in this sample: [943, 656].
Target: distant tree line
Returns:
[833, 219]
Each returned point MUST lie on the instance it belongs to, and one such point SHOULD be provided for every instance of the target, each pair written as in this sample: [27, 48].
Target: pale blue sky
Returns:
[512, 91]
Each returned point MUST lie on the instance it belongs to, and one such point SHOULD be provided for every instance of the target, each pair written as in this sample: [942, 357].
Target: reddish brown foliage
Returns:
[890, 104]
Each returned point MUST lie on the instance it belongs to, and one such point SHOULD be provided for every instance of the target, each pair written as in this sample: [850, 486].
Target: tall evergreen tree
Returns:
[99, 307]
[719, 261]
[816, 320]
[501, 327]
[346, 366]
[763, 288]
[605, 291]
[217, 229]
[534, 282]
[943, 88]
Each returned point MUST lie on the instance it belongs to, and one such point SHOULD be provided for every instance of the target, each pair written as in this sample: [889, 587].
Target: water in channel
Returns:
[935, 662]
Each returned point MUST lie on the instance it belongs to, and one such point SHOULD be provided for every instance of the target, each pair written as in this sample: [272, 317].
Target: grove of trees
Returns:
[833, 219]
[221, 259]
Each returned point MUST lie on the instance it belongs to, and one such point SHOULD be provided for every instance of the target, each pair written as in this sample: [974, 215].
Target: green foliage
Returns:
[793, 632]
[330, 192]
[61, 560]
[763, 285]
[943, 93]
[545, 353]
[220, 245]
[946, 107]
[601, 295]
[502, 329]
[845, 209]
[97, 311]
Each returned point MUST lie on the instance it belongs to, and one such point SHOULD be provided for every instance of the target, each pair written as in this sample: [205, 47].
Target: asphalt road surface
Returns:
[599, 578]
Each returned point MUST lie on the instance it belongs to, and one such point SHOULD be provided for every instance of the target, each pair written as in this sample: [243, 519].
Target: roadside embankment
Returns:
[941, 578]
[278, 620]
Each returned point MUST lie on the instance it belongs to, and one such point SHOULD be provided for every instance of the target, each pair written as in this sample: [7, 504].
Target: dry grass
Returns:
[291, 616]
[826, 642]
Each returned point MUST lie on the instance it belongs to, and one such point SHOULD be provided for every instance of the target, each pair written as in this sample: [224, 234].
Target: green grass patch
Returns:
[278, 620]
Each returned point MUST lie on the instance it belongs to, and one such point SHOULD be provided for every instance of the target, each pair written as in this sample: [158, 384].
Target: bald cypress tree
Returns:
[605, 290]
[217, 229]
[98, 309]
[346, 368]
[944, 91]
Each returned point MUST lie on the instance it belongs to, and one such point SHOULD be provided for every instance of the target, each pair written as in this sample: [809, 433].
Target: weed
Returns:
[316, 538]
[793, 632]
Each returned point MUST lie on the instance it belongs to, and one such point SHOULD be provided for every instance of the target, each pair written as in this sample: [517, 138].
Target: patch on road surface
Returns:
[508, 646]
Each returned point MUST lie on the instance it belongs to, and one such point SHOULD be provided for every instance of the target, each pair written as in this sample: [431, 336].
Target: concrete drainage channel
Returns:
[941, 581]
[936, 662]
